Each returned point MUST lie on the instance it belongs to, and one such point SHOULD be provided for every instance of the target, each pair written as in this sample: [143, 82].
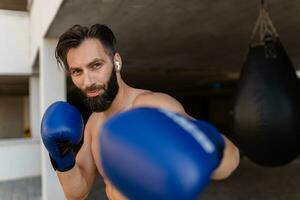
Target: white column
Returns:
[52, 88]
[34, 102]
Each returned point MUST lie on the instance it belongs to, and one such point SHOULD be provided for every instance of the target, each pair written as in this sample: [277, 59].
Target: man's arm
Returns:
[111, 192]
[231, 155]
[142, 100]
[229, 162]
[78, 181]
[159, 100]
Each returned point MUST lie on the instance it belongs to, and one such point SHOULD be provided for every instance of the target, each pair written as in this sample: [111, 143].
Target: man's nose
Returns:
[87, 80]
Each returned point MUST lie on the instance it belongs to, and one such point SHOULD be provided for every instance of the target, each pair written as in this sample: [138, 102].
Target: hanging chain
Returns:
[263, 26]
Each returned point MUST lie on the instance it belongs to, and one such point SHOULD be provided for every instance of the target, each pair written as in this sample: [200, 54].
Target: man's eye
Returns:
[97, 65]
[75, 72]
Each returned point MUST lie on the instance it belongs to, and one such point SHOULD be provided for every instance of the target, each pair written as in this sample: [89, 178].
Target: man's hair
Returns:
[74, 36]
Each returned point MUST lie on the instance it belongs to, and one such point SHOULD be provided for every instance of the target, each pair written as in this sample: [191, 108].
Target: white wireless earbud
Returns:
[118, 66]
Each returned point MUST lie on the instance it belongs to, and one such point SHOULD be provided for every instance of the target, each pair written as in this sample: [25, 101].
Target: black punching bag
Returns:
[267, 104]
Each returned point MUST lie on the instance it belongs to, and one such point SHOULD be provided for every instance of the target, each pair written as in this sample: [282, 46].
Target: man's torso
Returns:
[95, 127]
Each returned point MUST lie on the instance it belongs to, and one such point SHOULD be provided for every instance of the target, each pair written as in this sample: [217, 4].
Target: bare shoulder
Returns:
[158, 100]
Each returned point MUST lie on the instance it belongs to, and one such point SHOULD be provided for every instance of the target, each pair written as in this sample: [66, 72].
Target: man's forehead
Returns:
[86, 52]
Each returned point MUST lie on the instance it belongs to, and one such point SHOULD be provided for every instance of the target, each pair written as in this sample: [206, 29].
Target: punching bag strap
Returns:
[264, 29]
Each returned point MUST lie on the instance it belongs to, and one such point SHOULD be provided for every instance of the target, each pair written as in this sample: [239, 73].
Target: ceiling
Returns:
[182, 46]
[20, 5]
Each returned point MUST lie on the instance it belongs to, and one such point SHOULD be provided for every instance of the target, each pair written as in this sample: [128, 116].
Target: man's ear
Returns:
[118, 61]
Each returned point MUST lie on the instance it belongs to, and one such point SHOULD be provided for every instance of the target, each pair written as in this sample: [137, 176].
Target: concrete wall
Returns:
[19, 158]
[42, 13]
[11, 117]
[14, 40]
[51, 90]
[26, 114]
[34, 102]
[22, 40]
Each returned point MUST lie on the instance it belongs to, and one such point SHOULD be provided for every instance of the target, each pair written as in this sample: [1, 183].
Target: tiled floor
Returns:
[249, 182]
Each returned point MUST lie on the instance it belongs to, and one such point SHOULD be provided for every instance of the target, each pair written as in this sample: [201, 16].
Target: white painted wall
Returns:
[19, 158]
[27, 157]
[52, 88]
[14, 40]
[42, 13]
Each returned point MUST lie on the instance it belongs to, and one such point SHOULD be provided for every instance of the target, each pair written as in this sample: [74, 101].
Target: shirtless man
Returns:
[89, 56]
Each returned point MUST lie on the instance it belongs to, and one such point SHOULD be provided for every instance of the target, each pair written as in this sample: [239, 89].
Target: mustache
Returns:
[93, 87]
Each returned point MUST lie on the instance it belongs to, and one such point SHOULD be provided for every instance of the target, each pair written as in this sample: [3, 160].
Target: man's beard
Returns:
[103, 101]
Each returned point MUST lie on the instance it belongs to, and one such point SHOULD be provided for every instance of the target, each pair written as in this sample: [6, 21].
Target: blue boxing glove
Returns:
[62, 128]
[150, 153]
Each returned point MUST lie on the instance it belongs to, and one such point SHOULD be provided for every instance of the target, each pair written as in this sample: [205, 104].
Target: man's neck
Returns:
[121, 101]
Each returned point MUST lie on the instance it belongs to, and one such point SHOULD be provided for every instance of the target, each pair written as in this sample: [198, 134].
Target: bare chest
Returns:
[95, 149]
